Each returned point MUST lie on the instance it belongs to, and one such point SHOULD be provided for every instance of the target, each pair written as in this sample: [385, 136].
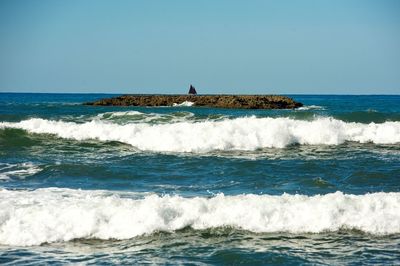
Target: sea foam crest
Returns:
[118, 114]
[246, 133]
[53, 215]
[310, 107]
[19, 170]
[183, 104]
[139, 117]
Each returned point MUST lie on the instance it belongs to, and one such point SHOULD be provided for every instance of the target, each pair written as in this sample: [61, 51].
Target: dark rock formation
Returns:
[222, 101]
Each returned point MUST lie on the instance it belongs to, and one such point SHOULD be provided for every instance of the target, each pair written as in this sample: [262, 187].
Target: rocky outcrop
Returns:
[221, 101]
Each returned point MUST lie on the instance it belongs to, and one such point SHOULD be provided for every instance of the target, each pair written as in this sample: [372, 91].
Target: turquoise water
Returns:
[170, 185]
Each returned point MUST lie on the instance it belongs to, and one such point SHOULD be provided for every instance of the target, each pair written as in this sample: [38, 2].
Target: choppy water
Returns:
[170, 185]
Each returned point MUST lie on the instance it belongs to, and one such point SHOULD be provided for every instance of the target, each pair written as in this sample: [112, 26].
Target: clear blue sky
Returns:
[150, 46]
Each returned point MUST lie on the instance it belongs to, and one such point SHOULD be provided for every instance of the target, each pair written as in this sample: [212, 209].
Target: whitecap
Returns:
[120, 113]
[54, 215]
[19, 170]
[183, 104]
[310, 107]
[124, 117]
[246, 133]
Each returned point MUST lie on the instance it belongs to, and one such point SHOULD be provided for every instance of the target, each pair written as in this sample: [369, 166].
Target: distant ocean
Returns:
[178, 185]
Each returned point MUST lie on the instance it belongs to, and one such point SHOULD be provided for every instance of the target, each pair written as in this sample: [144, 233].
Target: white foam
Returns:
[139, 117]
[310, 107]
[121, 113]
[246, 133]
[184, 104]
[20, 170]
[52, 215]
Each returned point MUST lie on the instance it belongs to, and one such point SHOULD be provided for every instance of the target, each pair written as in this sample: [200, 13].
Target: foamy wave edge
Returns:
[55, 215]
[245, 133]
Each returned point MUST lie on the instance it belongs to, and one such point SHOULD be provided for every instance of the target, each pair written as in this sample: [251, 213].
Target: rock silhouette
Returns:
[220, 101]
[192, 90]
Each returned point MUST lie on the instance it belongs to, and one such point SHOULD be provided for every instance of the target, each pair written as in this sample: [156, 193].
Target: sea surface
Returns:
[184, 185]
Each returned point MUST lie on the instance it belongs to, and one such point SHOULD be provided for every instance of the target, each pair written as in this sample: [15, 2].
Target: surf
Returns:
[54, 214]
[243, 133]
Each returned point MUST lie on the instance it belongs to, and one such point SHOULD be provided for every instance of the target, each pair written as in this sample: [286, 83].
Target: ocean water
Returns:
[186, 185]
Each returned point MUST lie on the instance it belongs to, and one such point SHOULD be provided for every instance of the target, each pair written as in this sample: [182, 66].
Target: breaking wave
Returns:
[125, 117]
[20, 170]
[120, 113]
[246, 133]
[310, 107]
[183, 104]
[54, 215]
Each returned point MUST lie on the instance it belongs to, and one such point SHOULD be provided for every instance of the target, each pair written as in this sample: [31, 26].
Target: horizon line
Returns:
[124, 93]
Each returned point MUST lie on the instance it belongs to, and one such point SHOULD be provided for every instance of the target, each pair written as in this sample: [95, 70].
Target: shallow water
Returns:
[123, 185]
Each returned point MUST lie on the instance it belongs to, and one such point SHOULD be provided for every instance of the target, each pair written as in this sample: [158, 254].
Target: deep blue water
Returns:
[169, 185]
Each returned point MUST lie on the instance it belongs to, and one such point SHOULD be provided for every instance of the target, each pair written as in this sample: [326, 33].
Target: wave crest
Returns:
[310, 107]
[183, 104]
[139, 117]
[20, 170]
[246, 133]
[52, 215]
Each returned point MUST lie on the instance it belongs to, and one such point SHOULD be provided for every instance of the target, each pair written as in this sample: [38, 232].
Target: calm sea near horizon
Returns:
[317, 185]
